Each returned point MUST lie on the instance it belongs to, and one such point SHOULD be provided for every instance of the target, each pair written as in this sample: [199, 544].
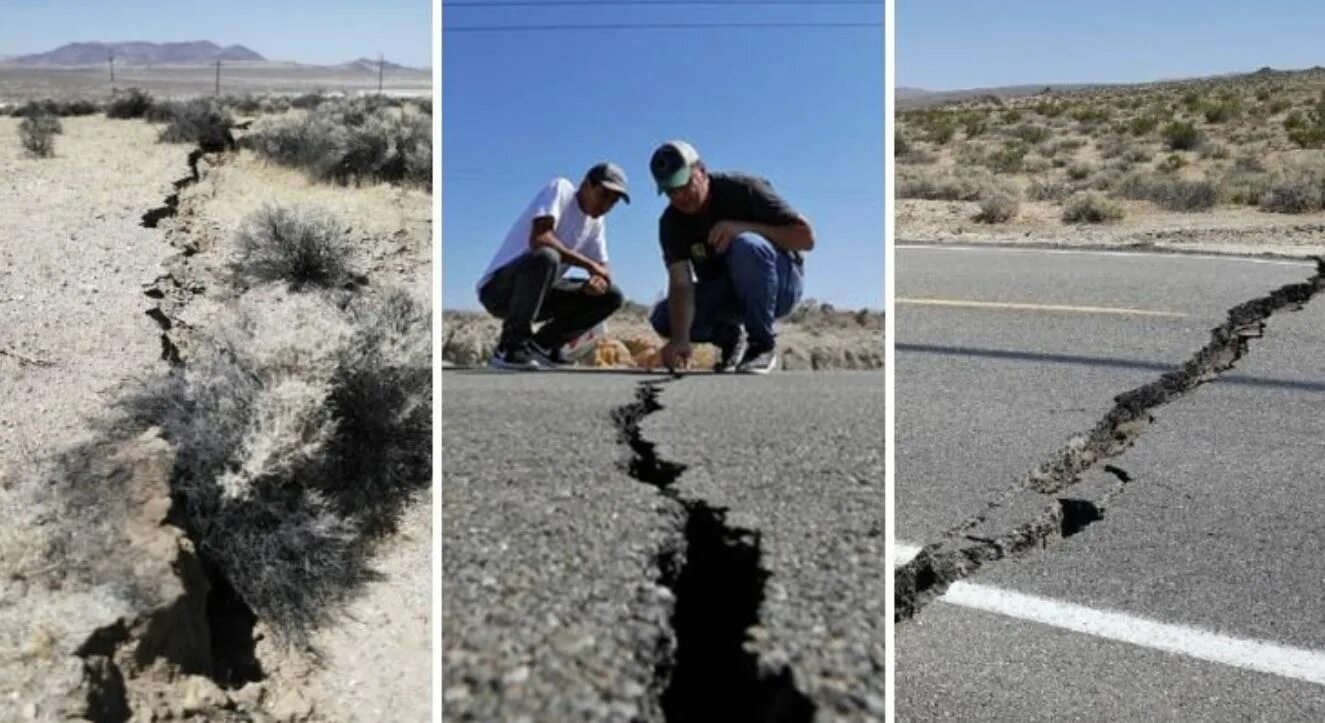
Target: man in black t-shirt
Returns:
[743, 245]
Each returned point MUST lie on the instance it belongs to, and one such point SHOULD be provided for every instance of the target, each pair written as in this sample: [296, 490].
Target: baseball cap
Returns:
[609, 176]
[671, 164]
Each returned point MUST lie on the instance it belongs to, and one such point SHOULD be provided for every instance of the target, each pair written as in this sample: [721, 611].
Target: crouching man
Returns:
[743, 243]
[562, 227]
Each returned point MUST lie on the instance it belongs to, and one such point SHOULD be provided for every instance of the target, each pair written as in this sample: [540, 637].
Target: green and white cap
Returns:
[672, 163]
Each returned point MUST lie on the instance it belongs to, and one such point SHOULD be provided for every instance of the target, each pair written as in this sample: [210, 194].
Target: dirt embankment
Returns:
[108, 609]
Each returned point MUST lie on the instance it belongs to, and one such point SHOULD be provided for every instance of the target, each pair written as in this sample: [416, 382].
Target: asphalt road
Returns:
[1197, 596]
[749, 587]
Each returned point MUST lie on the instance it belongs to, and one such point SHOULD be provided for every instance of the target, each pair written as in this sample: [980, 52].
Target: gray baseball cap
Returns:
[672, 163]
[609, 176]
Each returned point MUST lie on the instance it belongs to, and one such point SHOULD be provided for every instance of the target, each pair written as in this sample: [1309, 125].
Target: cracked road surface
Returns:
[1196, 596]
[577, 586]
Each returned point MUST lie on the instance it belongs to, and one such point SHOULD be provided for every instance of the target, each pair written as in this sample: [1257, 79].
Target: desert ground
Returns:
[1231, 164]
[172, 405]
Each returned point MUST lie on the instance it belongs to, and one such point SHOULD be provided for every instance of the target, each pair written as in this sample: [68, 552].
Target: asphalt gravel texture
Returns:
[577, 586]
[1217, 529]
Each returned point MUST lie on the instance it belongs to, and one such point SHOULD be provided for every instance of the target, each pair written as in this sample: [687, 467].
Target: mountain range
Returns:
[201, 52]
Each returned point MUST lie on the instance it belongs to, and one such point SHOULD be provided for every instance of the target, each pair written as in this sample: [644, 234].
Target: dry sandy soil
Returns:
[79, 275]
[1248, 178]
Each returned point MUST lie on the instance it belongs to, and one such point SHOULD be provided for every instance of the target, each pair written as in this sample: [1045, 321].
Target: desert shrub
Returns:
[1216, 151]
[1172, 194]
[1296, 190]
[1172, 163]
[1091, 115]
[1079, 171]
[1142, 125]
[1000, 205]
[352, 141]
[37, 134]
[1043, 189]
[1308, 131]
[1008, 159]
[917, 157]
[1012, 115]
[307, 101]
[1032, 134]
[940, 132]
[943, 186]
[1050, 109]
[302, 431]
[1182, 136]
[1036, 164]
[1244, 186]
[203, 121]
[302, 247]
[248, 104]
[1278, 105]
[59, 109]
[1221, 112]
[1192, 100]
[1137, 154]
[1091, 207]
[900, 145]
[130, 103]
[975, 126]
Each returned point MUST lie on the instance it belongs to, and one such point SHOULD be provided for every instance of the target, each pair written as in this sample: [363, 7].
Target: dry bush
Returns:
[1297, 189]
[943, 185]
[301, 432]
[1091, 207]
[37, 134]
[128, 104]
[203, 121]
[1030, 133]
[1182, 136]
[1142, 125]
[1044, 189]
[352, 141]
[999, 205]
[1080, 171]
[917, 157]
[297, 246]
[57, 108]
[1172, 194]
[1008, 159]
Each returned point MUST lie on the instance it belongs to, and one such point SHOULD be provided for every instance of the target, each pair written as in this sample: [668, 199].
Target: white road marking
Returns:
[1011, 306]
[1103, 252]
[1281, 660]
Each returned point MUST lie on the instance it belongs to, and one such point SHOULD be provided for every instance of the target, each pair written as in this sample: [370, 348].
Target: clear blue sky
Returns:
[321, 32]
[802, 107]
[981, 43]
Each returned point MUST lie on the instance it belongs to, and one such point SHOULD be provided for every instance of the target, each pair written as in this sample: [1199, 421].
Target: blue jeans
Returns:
[762, 284]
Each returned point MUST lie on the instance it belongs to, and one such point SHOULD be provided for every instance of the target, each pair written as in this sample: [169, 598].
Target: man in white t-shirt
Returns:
[562, 227]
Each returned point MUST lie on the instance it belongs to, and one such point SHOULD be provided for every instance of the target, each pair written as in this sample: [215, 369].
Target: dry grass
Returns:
[1131, 156]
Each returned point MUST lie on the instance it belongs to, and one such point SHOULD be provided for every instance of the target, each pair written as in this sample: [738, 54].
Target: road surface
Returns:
[1196, 597]
[578, 585]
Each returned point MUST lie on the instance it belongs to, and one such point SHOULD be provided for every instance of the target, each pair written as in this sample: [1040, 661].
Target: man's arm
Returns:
[541, 235]
[681, 313]
[795, 236]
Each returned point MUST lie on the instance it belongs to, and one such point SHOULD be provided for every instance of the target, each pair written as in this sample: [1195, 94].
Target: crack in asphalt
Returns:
[1028, 515]
[718, 583]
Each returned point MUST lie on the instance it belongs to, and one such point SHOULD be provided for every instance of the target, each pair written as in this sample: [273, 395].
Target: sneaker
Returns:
[514, 357]
[759, 360]
[548, 357]
[731, 355]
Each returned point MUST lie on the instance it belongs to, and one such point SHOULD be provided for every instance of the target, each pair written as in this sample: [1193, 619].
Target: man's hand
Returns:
[676, 354]
[596, 269]
[597, 285]
[722, 233]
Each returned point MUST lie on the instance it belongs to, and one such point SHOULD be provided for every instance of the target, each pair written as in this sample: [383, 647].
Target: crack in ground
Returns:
[1004, 529]
[718, 583]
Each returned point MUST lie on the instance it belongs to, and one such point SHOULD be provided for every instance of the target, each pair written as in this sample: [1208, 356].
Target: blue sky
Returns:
[802, 107]
[982, 43]
[307, 31]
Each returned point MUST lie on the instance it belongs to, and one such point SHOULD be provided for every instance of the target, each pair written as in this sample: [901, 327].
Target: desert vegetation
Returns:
[37, 133]
[1246, 147]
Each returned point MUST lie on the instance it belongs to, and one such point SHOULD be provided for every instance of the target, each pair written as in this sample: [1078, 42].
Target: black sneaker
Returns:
[731, 354]
[759, 360]
[548, 357]
[516, 356]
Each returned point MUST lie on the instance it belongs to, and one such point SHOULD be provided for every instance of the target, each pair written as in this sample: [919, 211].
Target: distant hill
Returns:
[200, 52]
[370, 65]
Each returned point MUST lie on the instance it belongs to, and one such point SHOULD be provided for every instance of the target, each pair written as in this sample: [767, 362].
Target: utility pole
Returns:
[110, 59]
[381, 63]
[218, 77]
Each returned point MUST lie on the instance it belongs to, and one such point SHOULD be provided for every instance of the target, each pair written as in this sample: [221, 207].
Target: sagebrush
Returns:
[300, 246]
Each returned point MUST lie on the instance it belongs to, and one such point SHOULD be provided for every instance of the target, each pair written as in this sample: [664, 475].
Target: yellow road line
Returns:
[960, 303]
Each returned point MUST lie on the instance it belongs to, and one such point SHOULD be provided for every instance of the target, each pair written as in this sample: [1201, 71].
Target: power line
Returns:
[651, 26]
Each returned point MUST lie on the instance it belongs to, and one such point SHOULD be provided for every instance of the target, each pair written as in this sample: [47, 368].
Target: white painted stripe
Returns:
[1281, 660]
[1104, 252]
[1052, 308]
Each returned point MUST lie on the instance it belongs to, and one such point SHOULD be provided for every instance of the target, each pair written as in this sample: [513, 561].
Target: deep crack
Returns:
[961, 552]
[718, 583]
